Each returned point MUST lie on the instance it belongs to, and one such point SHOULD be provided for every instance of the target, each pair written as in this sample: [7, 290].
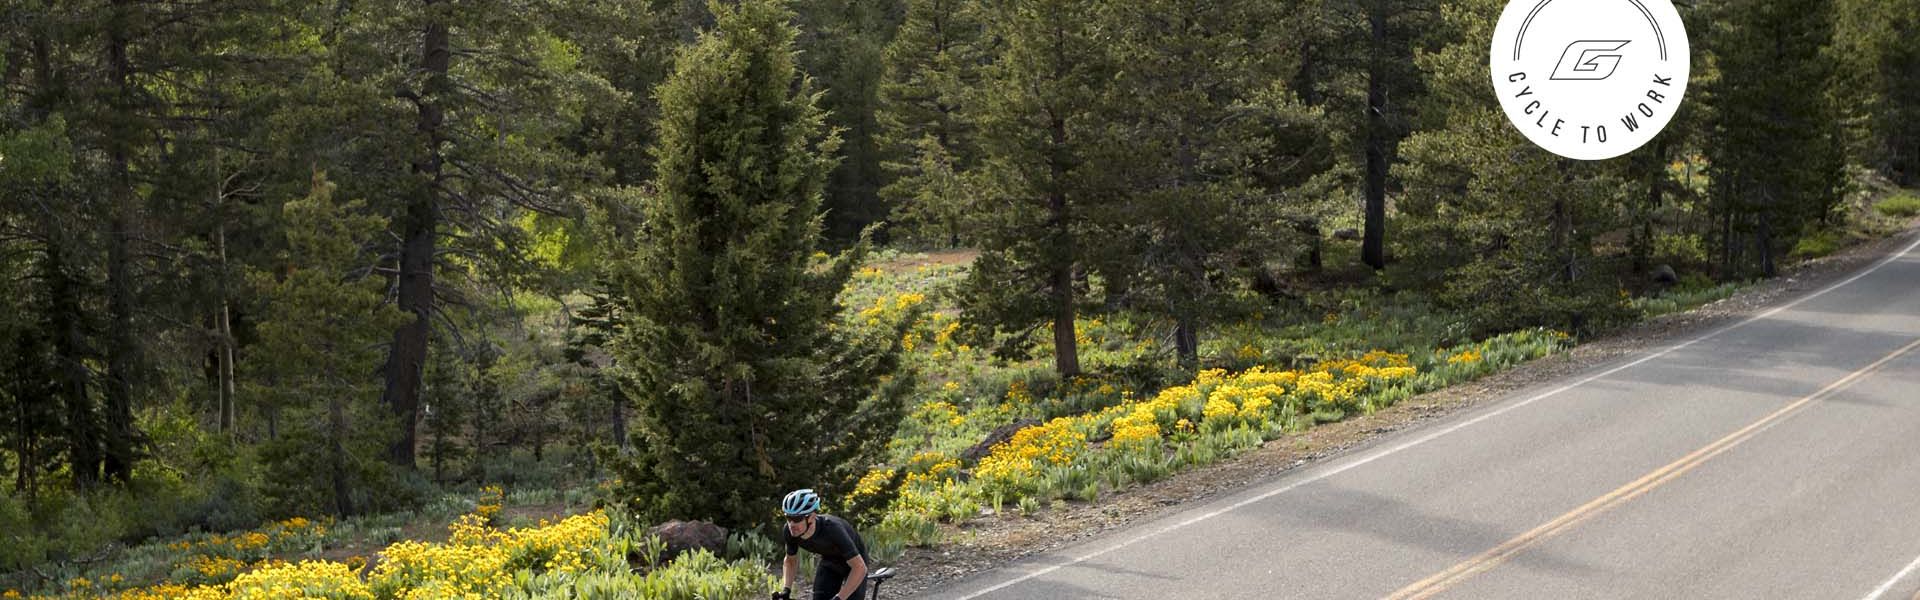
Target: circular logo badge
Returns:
[1589, 79]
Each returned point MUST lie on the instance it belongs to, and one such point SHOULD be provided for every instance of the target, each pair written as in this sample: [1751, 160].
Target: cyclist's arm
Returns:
[855, 578]
[787, 567]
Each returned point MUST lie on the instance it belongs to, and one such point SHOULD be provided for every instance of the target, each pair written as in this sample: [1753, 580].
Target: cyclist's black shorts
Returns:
[827, 582]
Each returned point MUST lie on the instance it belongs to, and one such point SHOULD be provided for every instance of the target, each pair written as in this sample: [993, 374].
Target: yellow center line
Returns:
[1443, 580]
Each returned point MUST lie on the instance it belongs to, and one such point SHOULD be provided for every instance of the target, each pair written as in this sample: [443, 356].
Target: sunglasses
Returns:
[797, 518]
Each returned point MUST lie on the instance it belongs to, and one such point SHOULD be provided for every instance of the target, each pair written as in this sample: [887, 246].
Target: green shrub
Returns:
[1679, 248]
[1029, 506]
[1818, 244]
[698, 575]
[752, 546]
[1905, 205]
[909, 528]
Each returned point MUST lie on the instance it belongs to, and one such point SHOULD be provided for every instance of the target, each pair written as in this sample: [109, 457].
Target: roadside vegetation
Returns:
[409, 300]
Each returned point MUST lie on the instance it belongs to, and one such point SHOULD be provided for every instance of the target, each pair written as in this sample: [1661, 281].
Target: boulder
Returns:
[687, 536]
[999, 434]
[1664, 275]
[1348, 234]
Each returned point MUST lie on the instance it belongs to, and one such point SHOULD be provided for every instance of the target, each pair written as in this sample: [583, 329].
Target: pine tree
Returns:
[1038, 114]
[745, 387]
[47, 412]
[842, 44]
[1196, 120]
[1898, 114]
[324, 317]
[1357, 63]
[488, 94]
[630, 44]
[1877, 85]
[936, 58]
[1501, 228]
[1777, 165]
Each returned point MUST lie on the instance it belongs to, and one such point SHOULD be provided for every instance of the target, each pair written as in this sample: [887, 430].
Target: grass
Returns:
[1683, 299]
[1818, 244]
[1902, 205]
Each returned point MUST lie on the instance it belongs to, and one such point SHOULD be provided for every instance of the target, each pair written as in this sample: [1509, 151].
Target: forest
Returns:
[267, 265]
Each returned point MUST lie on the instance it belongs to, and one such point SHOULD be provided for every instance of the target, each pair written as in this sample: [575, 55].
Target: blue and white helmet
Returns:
[800, 502]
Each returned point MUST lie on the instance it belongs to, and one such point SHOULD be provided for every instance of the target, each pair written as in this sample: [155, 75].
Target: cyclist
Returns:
[842, 574]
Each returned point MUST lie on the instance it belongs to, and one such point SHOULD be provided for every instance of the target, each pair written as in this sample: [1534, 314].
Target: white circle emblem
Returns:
[1589, 79]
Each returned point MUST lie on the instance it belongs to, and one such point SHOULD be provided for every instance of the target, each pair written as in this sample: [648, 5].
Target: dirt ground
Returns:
[996, 540]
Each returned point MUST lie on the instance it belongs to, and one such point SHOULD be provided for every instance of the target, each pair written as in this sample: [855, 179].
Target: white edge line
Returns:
[1463, 425]
[1888, 586]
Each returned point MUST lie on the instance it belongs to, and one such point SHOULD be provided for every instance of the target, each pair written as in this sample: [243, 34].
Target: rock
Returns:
[1348, 234]
[687, 536]
[1664, 274]
[999, 434]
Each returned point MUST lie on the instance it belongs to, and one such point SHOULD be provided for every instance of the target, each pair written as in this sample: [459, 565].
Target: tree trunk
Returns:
[223, 320]
[1066, 351]
[1310, 229]
[408, 356]
[539, 443]
[439, 454]
[1186, 341]
[477, 443]
[1764, 244]
[226, 351]
[1562, 235]
[620, 420]
[83, 443]
[1309, 96]
[1116, 287]
[23, 447]
[120, 336]
[1643, 227]
[337, 453]
[1373, 248]
[1727, 239]
[1305, 82]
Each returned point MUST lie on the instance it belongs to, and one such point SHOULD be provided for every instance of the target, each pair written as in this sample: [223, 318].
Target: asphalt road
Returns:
[1778, 457]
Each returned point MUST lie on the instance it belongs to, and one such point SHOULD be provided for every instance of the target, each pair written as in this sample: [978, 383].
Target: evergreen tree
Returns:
[935, 60]
[1196, 120]
[1877, 85]
[328, 316]
[842, 44]
[488, 94]
[1501, 228]
[745, 387]
[1357, 62]
[48, 413]
[1777, 165]
[1038, 113]
[629, 43]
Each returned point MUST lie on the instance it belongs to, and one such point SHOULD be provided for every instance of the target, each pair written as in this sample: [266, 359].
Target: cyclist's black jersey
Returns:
[833, 539]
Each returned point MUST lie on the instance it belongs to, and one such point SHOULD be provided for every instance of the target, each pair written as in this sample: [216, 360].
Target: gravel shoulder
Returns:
[993, 541]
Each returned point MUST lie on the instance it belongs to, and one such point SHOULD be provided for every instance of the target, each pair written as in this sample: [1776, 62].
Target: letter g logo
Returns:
[1589, 60]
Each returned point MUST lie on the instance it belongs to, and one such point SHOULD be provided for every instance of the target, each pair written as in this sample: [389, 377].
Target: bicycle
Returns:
[877, 577]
